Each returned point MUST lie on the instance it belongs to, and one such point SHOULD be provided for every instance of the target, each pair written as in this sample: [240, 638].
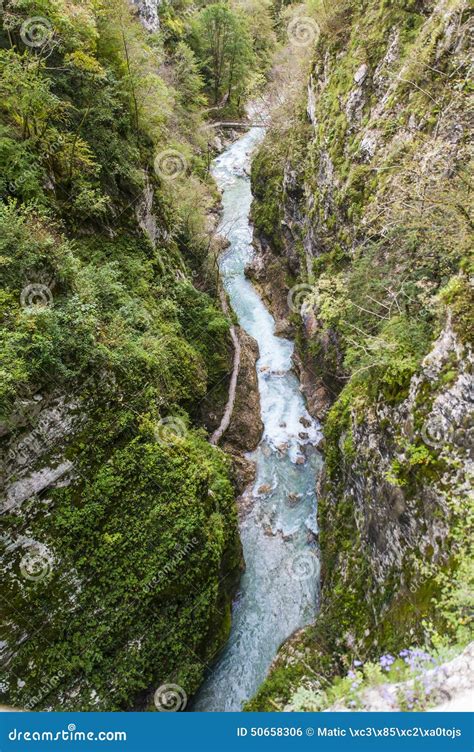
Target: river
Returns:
[278, 591]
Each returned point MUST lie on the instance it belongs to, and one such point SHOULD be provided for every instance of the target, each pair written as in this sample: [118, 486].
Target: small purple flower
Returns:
[416, 657]
[351, 674]
[386, 661]
[410, 698]
[355, 684]
[358, 663]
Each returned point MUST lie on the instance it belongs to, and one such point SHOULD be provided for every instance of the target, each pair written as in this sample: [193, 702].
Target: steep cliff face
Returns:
[363, 223]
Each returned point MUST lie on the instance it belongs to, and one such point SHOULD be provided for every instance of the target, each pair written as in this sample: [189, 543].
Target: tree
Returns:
[223, 45]
[188, 80]
[258, 14]
[123, 44]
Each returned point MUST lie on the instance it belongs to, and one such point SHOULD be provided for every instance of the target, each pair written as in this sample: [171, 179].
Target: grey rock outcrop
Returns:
[148, 13]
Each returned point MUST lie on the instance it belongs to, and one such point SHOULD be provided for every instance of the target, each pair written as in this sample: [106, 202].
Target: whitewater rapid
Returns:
[278, 590]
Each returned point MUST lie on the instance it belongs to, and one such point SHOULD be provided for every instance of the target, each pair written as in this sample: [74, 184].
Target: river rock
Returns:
[294, 498]
[246, 426]
[245, 504]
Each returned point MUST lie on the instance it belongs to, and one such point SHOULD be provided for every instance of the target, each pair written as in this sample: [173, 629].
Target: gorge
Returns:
[278, 591]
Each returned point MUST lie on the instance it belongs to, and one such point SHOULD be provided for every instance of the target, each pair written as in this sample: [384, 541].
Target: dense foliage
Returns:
[117, 509]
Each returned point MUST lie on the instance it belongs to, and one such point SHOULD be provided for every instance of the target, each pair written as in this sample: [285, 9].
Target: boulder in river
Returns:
[294, 498]
[245, 428]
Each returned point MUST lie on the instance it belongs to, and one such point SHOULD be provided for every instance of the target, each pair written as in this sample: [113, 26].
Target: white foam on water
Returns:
[278, 590]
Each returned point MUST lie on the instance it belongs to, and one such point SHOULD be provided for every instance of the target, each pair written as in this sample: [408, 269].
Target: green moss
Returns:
[459, 296]
[267, 189]
[150, 532]
[276, 690]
